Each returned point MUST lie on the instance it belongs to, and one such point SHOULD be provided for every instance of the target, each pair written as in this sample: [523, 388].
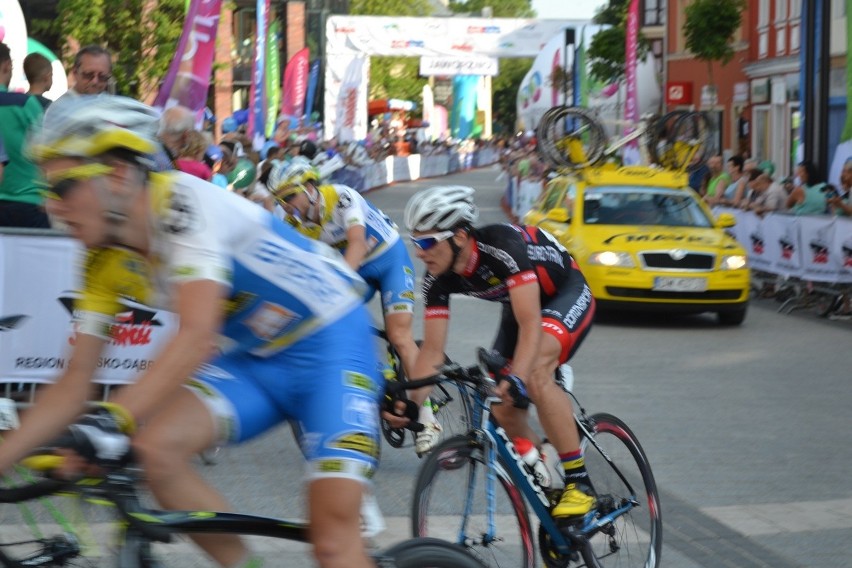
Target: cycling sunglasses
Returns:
[425, 242]
[64, 181]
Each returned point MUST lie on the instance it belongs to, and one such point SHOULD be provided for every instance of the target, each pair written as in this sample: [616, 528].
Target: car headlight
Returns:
[611, 258]
[734, 262]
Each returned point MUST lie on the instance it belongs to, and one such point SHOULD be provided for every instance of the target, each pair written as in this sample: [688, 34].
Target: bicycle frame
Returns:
[499, 444]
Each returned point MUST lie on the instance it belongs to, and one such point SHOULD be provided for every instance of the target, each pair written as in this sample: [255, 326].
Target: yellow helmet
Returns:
[288, 179]
[88, 126]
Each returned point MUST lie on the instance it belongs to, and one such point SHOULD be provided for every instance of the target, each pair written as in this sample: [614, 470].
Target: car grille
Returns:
[646, 294]
[692, 261]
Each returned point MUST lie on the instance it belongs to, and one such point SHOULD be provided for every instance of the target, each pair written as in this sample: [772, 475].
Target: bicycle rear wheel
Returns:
[451, 503]
[570, 137]
[685, 137]
[430, 553]
[634, 539]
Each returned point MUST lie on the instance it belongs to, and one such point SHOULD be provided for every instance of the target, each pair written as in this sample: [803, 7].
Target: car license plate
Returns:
[672, 284]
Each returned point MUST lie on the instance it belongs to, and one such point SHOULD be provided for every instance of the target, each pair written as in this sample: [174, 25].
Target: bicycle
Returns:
[449, 403]
[572, 137]
[463, 477]
[140, 527]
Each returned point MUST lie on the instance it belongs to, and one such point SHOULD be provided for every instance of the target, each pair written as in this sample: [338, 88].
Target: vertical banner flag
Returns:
[295, 84]
[429, 112]
[257, 92]
[313, 83]
[843, 151]
[581, 79]
[631, 106]
[351, 108]
[464, 105]
[188, 77]
[273, 72]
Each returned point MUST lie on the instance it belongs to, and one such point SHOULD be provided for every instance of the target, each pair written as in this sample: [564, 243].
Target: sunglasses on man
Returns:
[92, 75]
[425, 242]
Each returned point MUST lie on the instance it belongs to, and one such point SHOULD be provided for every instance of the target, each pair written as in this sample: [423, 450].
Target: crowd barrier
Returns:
[41, 272]
[812, 248]
[396, 168]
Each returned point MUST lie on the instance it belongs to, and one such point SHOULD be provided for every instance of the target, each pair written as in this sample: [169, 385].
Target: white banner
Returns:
[348, 121]
[444, 66]
[36, 302]
[348, 37]
[816, 248]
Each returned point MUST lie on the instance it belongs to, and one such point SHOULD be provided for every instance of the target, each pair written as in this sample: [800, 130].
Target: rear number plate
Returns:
[672, 284]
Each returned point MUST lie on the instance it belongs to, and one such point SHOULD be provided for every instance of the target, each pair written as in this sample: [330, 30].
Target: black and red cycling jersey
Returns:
[505, 256]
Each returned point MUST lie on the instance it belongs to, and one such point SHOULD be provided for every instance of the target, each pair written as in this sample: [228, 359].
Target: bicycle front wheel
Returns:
[451, 502]
[430, 553]
[635, 538]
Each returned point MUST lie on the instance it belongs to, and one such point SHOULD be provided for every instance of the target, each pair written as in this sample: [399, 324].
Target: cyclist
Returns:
[271, 328]
[547, 312]
[339, 216]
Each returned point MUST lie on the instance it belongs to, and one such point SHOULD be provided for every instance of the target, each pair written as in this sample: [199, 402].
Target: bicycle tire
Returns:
[454, 472]
[634, 539]
[659, 133]
[570, 137]
[691, 129]
[430, 553]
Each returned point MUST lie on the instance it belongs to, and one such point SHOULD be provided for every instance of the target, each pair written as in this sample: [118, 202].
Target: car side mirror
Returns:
[726, 220]
[558, 214]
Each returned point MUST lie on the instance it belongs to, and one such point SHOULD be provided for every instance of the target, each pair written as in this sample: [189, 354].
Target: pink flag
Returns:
[295, 84]
[631, 106]
[188, 77]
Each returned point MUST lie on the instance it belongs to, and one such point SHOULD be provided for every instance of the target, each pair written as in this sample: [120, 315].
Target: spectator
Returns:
[92, 71]
[841, 204]
[698, 172]
[175, 125]
[807, 198]
[767, 196]
[191, 156]
[717, 180]
[735, 174]
[39, 73]
[20, 190]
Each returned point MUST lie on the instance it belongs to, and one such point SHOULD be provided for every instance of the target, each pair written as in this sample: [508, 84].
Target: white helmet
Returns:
[293, 173]
[442, 207]
[88, 126]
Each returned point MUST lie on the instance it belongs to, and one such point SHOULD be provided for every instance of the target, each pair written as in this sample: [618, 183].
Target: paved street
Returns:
[746, 428]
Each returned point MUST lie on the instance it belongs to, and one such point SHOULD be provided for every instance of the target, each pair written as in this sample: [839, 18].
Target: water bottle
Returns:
[532, 458]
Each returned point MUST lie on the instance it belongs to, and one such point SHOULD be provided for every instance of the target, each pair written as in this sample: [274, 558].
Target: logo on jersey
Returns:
[269, 320]
[360, 411]
[356, 442]
[359, 381]
[181, 215]
[344, 201]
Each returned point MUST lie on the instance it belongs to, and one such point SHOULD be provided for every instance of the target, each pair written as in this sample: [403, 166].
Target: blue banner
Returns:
[313, 82]
[257, 116]
[464, 105]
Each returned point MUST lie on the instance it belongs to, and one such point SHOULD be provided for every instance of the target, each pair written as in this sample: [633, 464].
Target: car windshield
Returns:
[627, 205]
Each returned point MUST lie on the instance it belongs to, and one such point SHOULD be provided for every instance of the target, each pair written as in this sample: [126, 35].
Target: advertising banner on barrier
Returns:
[36, 306]
[446, 66]
[816, 248]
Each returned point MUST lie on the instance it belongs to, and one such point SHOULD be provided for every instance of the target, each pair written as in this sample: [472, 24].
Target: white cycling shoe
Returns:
[372, 520]
[428, 438]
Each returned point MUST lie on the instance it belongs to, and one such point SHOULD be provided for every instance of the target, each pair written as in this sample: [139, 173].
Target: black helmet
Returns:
[308, 149]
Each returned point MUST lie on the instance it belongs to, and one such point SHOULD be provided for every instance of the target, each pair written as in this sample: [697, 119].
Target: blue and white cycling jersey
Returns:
[283, 286]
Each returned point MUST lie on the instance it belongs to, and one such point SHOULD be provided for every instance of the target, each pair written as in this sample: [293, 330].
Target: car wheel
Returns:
[732, 317]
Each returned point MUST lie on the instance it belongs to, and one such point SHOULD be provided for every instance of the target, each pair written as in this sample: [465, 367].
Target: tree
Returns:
[709, 30]
[499, 8]
[143, 39]
[606, 53]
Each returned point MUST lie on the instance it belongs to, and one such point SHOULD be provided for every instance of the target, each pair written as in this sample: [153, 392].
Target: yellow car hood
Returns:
[627, 238]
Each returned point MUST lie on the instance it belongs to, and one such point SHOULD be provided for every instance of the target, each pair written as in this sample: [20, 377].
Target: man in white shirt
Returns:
[767, 195]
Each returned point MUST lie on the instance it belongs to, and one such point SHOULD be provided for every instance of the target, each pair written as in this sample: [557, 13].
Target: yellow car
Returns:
[645, 240]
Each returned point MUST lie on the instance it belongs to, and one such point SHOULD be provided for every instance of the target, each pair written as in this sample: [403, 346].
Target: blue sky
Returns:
[568, 9]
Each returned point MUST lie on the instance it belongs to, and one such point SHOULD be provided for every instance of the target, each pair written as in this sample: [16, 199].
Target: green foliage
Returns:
[390, 7]
[500, 8]
[142, 48]
[606, 51]
[710, 27]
